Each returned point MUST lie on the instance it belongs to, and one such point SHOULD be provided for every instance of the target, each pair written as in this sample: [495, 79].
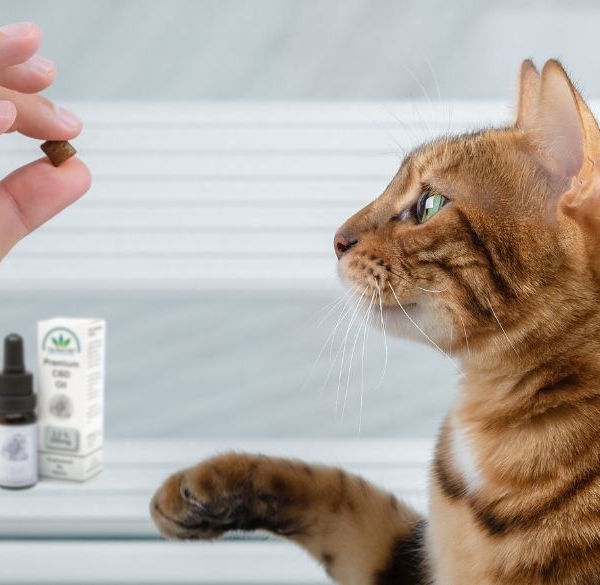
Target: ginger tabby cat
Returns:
[506, 224]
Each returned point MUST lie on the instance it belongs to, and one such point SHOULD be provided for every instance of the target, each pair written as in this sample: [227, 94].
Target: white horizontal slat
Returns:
[343, 452]
[180, 271]
[83, 218]
[238, 244]
[132, 479]
[187, 165]
[291, 114]
[234, 141]
[157, 563]
[260, 192]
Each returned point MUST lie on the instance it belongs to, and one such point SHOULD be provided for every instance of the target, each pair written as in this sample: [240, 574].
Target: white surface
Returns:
[149, 563]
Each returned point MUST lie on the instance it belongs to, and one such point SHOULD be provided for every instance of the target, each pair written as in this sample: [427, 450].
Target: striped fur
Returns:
[506, 277]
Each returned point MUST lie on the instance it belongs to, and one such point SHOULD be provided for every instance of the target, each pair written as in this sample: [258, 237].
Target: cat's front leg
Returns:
[360, 533]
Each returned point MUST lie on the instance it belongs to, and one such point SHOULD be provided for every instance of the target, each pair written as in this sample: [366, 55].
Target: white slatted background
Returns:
[200, 195]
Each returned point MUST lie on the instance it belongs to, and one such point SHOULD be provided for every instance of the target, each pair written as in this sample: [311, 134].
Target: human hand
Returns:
[32, 194]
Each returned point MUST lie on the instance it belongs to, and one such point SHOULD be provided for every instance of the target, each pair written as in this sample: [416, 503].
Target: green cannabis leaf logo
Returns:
[61, 342]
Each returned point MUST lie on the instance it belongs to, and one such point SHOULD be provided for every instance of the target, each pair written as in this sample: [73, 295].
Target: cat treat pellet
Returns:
[58, 151]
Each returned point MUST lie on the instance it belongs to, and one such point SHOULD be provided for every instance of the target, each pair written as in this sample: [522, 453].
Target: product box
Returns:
[71, 397]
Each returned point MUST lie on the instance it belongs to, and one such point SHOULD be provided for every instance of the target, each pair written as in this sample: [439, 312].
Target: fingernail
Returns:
[41, 64]
[18, 29]
[7, 109]
[67, 118]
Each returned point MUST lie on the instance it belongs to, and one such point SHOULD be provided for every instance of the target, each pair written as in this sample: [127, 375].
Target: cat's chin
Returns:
[400, 322]
[413, 322]
[409, 320]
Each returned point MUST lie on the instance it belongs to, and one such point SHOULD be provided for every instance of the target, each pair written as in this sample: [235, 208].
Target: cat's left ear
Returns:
[528, 93]
[564, 134]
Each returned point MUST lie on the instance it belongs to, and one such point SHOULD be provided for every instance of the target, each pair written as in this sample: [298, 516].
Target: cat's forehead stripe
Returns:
[439, 156]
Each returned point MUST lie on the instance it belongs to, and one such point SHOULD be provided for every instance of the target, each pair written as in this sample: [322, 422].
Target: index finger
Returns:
[38, 117]
[18, 43]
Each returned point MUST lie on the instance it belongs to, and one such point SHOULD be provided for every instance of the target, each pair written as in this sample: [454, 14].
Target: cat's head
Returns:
[491, 237]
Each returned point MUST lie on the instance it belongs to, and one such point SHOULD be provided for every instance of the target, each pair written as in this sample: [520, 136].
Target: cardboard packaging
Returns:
[71, 397]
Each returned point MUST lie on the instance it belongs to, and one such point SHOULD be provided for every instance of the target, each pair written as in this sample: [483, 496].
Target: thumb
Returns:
[33, 194]
[8, 115]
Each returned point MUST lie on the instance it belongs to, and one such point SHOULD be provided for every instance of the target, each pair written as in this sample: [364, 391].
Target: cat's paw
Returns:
[228, 492]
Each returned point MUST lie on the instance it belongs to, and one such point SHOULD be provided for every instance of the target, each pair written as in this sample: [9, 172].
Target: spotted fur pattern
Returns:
[506, 278]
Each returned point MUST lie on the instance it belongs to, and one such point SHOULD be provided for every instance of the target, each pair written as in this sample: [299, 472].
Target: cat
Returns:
[495, 234]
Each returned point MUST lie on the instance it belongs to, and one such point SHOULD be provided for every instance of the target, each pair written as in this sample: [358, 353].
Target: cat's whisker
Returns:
[411, 132]
[380, 382]
[330, 307]
[327, 306]
[340, 300]
[465, 330]
[418, 82]
[416, 285]
[429, 290]
[423, 332]
[435, 80]
[447, 134]
[346, 309]
[356, 310]
[501, 327]
[439, 96]
[357, 335]
[362, 372]
[388, 134]
[330, 338]
[330, 370]
[414, 103]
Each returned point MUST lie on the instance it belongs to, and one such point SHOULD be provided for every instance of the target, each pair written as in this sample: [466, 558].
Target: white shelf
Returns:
[150, 563]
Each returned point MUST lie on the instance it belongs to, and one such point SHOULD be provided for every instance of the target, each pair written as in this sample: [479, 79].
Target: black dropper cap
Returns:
[16, 384]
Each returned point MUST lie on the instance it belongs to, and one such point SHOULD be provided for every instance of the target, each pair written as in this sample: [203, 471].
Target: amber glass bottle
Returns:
[18, 421]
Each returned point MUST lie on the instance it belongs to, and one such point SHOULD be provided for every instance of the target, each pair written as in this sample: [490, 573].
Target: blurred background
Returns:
[203, 361]
[308, 49]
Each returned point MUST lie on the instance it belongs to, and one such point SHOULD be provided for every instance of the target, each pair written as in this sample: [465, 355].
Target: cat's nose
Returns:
[341, 244]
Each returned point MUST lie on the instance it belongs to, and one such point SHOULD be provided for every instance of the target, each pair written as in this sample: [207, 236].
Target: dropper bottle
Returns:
[18, 421]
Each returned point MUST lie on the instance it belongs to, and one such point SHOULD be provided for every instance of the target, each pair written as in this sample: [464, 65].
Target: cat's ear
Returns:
[528, 93]
[550, 115]
[564, 135]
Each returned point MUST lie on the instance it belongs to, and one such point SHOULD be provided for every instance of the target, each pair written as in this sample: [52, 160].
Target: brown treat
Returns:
[58, 151]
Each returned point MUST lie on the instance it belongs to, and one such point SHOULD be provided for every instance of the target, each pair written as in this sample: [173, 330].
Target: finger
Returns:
[8, 114]
[38, 117]
[32, 76]
[18, 43]
[33, 194]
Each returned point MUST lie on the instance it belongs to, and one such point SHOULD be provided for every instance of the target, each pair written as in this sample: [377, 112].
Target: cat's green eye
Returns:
[429, 204]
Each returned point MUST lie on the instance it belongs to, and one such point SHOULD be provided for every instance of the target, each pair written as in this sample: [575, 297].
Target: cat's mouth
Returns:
[392, 295]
